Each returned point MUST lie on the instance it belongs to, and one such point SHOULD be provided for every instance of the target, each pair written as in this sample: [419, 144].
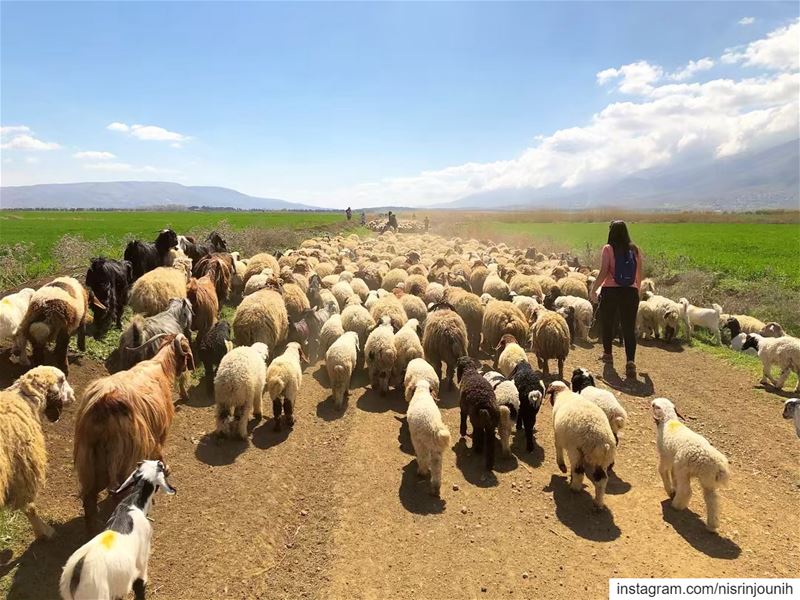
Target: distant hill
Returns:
[134, 195]
[764, 180]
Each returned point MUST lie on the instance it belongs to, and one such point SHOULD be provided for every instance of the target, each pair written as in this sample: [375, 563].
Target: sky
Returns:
[372, 104]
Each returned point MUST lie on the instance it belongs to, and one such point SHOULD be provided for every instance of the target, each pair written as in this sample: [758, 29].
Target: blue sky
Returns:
[373, 103]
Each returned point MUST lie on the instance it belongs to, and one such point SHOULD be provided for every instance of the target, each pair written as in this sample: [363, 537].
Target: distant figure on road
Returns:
[363, 217]
[391, 223]
[349, 213]
[427, 223]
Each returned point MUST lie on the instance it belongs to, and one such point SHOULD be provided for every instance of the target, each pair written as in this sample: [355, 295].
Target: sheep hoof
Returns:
[562, 467]
[257, 417]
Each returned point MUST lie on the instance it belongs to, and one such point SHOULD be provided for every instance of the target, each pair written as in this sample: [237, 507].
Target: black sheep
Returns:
[531, 391]
[110, 281]
[477, 400]
[146, 256]
[214, 345]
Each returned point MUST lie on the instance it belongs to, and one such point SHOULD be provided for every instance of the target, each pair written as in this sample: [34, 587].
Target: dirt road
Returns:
[334, 508]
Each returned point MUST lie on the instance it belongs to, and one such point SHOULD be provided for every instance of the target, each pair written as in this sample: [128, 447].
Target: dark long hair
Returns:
[619, 239]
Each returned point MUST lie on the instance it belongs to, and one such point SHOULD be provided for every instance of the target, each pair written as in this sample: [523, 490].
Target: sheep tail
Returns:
[39, 331]
[443, 437]
[275, 387]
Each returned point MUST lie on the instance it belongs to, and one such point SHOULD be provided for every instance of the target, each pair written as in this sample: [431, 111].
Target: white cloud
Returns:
[780, 50]
[692, 67]
[93, 155]
[9, 129]
[151, 133]
[120, 167]
[665, 122]
[747, 20]
[18, 137]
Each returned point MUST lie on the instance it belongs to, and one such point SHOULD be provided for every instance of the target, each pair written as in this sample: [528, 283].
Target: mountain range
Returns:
[768, 179]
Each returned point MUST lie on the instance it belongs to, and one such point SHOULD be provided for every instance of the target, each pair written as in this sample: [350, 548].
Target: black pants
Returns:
[619, 304]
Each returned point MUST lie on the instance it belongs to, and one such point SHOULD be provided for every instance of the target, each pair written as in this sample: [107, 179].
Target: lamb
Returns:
[584, 314]
[340, 362]
[684, 454]
[646, 285]
[418, 369]
[142, 339]
[782, 352]
[500, 318]
[791, 410]
[408, 346]
[284, 377]
[700, 317]
[212, 348]
[583, 384]
[330, 332]
[114, 562]
[444, 339]
[152, 291]
[550, 339]
[667, 315]
[507, 354]
[380, 354]
[261, 317]
[23, 454]
[531, 393]
[124, 418]
[205, 306]
[12, 310]
[507, 397]
[146, 256]
[110, 282]
[238, 387]
[55, 312]
[429, 435]
[478, 402]
[581, 428]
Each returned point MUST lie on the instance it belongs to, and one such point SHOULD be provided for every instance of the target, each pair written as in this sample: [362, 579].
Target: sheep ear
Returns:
[134, 477]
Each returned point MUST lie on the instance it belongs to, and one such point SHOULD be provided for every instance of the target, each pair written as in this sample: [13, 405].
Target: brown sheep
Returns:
[550, 339]
[258, 263]
[205, 306]
[470, 309]
[572, 286]
[152, 292]
[220, 268]
[526, 285]
[261, 317]
[392, 307]
[296, 301]
[477, 277]
[445, 340]
[499, 318]
[124, 418]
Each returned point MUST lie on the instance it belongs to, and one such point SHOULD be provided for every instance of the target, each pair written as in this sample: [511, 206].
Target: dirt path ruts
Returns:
[334, 508]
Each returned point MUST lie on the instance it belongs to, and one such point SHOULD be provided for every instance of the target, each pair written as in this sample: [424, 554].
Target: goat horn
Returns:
[155, 337]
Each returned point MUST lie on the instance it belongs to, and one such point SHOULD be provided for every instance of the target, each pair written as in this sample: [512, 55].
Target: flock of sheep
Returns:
[414, 311]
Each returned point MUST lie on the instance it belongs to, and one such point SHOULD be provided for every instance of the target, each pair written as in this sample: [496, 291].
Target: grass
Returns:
[14, 534]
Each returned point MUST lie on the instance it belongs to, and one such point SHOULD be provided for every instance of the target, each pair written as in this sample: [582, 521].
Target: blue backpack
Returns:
[625, 268]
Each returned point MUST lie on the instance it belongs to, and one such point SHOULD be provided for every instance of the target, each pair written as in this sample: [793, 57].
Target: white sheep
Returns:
[342, 291]
[380, 355]
[782, 352]
[507, 396]
[526, 304]
[330, 331]
[357, 318]
[429, 435]
[408, 346]
[511, 355]
[340, 362]
[434, 293]
[418, 369]
[584, 314]
[239, 386]
[696, 316]
[496, 287]
[12, 310]
[791, 410]
[258, 281]
[583, 384]
[581, 428]
[114, 562]
[284, 377]
[684, 454]
[667, 315]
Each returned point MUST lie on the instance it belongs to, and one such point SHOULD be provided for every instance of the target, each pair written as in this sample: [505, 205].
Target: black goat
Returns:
[214, 345]
[110, 281]
[531, 392]
[478, 402]
[214, 243]
[146, 256]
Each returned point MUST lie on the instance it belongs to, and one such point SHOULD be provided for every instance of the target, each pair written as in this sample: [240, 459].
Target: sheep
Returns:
[782, 352]
[647, 322]
[55, 312]
[500, 318]
[570, 286]
[507, 397]
[141, 340]
[330, 332]
[478, 402]
[340, 362]
[296, 301]
[581, 428]
[389, 306]
[357, 318]
[220, 268]
[737, 324]
[791, 410]
[258, 263]
[667, 315]
[583, 384]
[342, 291]
[284, 377]
[146, 256]
[23, 455]
[211, 350]
[392, 278]
[205, 306]
[496, 287]
[550, 339]
[306, 331]
[525, 285]
[239, 385]
[444, 339]
[531, 393]
[646, 285]
[684, 454]
[507, 354]
[152, 291]
[12, 310]
[380, 354]
[417, 285]
[469, 308]
[526, 304]
[773, 329]
[124, 418]
[477, 277]
[261, 317]
[114, 562]
[584, 314]
[110, 282]
[259, 281]
[418, 369]
[701, 317]
[429, 435]
[414, 308]
[433, 294]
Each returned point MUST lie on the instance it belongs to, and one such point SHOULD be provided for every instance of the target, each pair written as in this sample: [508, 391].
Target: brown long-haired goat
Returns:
[205, 305]
[124, 418]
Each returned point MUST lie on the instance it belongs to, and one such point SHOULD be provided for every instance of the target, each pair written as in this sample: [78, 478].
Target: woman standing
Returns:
[619, 277]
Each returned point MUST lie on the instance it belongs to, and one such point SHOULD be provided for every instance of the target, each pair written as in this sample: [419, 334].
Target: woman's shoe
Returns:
[607, 358]
[630, 369]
